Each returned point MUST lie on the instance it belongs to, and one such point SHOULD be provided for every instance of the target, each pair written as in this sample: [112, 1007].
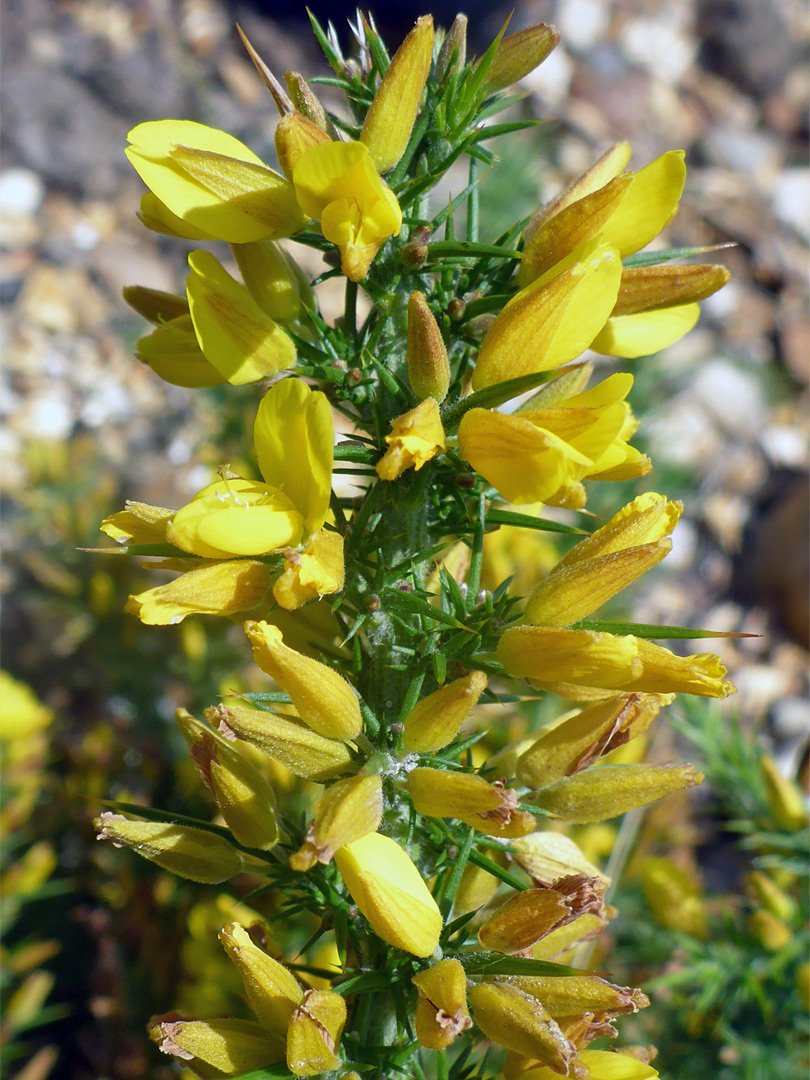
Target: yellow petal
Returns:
[235, 335]
[230, 1046]
[603, 170]
[271, 279]
[416, 437]
[601, 1065]
[581, 656]
[609, 790]
[272, 991]
[526, 463]
[631, 336]
[551, 322]
[390, 892]
[190, 853]
[235, 517]
[173, 352]
[224, 588]
[436, 719]
[314, 1033]
[316, 571]
[212, 181]
[392, 113]
[294, 438]
[139, 523]
[156, 216]
[651, 201]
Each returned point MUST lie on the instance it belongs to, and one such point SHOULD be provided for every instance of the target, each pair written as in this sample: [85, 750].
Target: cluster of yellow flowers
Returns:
[378, 685]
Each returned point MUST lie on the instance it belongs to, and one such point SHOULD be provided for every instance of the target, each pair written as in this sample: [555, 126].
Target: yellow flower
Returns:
[581, 660]
[441, 1008]
[492, 809]
[315, 571]
[188, 852]
[416, 437]
[542, 455]
[231, 1047]
[314, 1033]
[212, 182]
[601, 1065]
[346, 811]
[337, 183]
[635, 539]
[293, 439]
[390, 892]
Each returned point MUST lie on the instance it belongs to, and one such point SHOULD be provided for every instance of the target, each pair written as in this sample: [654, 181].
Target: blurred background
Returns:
[94, 944]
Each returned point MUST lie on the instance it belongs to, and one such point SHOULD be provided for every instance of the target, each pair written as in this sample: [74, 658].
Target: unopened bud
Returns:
[323, 699]
[244, 797]
[768, 894]
[345, 812]
[435, 721]
[518, 1022]
[772, 933]
[490, 808]
[392, 113]
[428, 369]
[413, 254]
[441, 1008]
[271, 278]
[232, 1047]
[519, 54]
[454, 44]
[675, 897]
[390, 892]
[272, 991]
[647, 288]
[609, 790]
[305, 101]
[314, 1033]
[785, 801]
[295, 134]
[285, 739]
[191, 853]
[456, 308]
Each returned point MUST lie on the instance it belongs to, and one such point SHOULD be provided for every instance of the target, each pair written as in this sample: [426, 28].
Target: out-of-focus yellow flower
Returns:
[337, 183]
[390, 892]
[573, 661]
[594, 570]
[22, 714]
[212, 182]
[392, 113]
[785, 800]
[416, 437]
[675, 896]
[542, 455]
[553, 320]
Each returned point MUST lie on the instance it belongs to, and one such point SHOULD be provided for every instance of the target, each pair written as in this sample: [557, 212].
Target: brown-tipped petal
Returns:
[647, 288]
[524, 919]
[441, 1008]
[346, 811]
[518, 1022]
[490, 808]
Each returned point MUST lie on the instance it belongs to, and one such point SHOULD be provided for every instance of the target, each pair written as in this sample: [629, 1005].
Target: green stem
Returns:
[473, 204]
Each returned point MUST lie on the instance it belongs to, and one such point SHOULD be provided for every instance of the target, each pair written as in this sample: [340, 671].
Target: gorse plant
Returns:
[427, 864]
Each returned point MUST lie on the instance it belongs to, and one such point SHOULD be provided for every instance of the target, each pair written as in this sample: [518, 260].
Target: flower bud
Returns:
[295, 134]
[244, 797]
[455, 41]
[314, 1033]
[213, 182]
[575, 994]
[305, 101]
[271, 278]
[390, 892]
[523, 919]
[519, 54]
[231, 1046]
[551, 322]
[316, 571]
[490, 808]
[286, 739]
[323, 699]
[768, 894]
[675, 897]
[416, 437]
[392, 113]
[571, 746]
[548, 856]
[191, 853]
[428, 369]
[272, 991]
[785, 801]
[772, 933]
[609, 790]
[435, 720]
[223, 588]
[518, 1022]
[345, 812]
[441, 1008]
[648, 288]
